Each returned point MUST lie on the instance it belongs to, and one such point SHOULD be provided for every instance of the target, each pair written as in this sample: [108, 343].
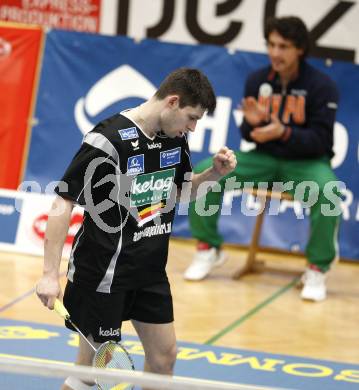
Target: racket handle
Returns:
[61, 309]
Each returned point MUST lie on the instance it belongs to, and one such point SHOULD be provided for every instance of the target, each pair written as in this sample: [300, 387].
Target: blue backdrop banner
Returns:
[86, 78]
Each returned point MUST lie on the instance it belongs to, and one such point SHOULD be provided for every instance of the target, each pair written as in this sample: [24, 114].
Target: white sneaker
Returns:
[314, 288]
[203, 262]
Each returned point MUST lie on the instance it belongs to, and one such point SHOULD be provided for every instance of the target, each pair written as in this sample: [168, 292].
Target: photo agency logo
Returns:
[305, 194]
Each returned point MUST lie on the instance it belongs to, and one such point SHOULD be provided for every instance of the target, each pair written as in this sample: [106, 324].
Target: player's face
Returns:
[283, 54]
[177, 121]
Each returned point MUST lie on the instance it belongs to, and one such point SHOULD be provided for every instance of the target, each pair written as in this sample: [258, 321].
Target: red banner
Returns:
[19, 53]
[80, 15]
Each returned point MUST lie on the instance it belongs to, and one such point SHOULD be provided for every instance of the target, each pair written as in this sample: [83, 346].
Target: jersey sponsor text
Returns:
[164, 228]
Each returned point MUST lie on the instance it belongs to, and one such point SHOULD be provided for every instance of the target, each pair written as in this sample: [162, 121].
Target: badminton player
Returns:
[127, 175]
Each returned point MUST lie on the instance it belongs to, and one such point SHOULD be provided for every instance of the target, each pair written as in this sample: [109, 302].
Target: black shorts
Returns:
[101, 314]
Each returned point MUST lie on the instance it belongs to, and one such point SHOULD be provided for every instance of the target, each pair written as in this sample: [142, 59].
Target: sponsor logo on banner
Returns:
[33, 216]
[19, 332]
[135, 165]
[152, 188]
[129, 133]
[233, 25]
[170, 157]
[79, 15]
[9, 219]
[40, 222]
[132, 83]
[154, 146]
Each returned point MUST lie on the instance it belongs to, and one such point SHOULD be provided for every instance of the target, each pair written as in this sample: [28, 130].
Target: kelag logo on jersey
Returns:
[129, 133]
[170, 157]
[152, 187]
[136, 165]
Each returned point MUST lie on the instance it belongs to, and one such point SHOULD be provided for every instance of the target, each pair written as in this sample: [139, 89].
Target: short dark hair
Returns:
[192, 87]
[291, 28]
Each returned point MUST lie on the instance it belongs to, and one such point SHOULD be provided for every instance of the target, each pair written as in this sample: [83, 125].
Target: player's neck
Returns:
[146, 116]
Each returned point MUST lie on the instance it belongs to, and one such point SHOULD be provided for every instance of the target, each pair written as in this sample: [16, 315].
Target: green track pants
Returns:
[258, 167]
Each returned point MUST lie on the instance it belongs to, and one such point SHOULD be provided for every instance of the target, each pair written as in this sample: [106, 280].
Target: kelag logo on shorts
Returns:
[151, 187]
[109, 332]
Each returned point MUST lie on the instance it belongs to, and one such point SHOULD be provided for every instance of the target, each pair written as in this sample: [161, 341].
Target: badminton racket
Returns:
[109, 355]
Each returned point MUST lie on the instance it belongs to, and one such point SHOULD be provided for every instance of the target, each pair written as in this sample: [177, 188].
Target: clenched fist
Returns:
[224, 161]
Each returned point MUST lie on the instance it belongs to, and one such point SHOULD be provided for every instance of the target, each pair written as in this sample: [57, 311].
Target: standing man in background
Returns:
[289, 112]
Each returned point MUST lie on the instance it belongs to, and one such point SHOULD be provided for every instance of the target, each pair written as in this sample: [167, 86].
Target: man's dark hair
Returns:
[192, 87]
[291, 28]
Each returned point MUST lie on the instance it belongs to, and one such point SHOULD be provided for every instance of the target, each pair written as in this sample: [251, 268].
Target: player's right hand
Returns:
[48, 289]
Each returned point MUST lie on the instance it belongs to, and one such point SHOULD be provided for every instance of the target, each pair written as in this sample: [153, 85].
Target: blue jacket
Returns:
[307, 108]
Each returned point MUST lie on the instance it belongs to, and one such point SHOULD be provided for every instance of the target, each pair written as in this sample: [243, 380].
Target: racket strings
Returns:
[111, 355]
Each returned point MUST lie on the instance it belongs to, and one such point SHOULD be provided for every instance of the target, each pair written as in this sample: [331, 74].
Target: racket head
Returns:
[112, 355]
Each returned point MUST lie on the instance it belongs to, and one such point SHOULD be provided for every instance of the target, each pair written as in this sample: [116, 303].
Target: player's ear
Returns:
[172, 101]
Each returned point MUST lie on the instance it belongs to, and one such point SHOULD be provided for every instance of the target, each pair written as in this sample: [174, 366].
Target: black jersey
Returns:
[127, 184]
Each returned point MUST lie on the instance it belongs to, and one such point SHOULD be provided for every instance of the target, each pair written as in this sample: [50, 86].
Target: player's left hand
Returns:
[272, 131]
[224, 161]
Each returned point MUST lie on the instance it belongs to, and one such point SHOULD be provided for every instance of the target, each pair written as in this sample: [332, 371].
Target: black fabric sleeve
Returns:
[87, 167]
[186, 165]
